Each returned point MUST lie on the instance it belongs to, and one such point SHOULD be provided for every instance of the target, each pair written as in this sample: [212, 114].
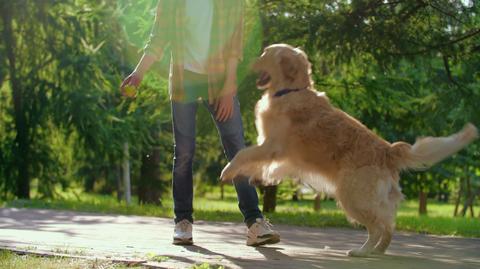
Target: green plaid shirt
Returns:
[226, 42]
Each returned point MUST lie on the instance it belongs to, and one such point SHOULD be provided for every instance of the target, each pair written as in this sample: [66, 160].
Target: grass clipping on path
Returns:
[439, 220]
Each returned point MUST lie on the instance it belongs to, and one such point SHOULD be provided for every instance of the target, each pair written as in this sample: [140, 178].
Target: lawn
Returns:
[210, 207]
[9, 260]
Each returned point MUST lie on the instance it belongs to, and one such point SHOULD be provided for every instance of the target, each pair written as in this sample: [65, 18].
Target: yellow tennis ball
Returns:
[130, 91]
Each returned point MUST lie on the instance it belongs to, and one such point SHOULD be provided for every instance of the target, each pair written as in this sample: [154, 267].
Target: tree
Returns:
[65, 64]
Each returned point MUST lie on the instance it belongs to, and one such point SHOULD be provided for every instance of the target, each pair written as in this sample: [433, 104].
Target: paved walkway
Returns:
[137, 238]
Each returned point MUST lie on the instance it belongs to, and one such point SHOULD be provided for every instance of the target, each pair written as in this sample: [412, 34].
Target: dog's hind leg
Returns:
[387, 213]
[361, 194]
[385, 240]
[374, 235]
[366, 216]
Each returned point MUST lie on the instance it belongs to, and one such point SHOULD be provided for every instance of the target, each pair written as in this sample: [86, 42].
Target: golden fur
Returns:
[302, 136]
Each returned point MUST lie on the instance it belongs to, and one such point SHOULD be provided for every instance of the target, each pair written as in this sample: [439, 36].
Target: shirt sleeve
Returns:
[161, 30]
[235, 15]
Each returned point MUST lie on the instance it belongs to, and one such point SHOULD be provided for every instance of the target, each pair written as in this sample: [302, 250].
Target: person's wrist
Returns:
[229, 91]
[231, 79]
[230, 85]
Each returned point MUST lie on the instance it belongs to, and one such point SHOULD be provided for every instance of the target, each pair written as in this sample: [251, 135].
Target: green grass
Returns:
[210, 207]
[9, 260]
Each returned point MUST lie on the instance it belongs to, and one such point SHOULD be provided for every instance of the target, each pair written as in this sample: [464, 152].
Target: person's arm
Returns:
[153, 51]
[230, 85]
[224, 106]
[234, 53]
[237, 19]
[136, 77]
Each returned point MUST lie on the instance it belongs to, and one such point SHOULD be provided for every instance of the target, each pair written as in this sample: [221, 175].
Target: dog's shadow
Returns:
[274, 256]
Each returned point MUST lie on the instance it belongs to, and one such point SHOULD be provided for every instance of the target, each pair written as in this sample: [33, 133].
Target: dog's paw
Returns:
[468, 133]
[228, 173]
[378, 251]
[358, 252]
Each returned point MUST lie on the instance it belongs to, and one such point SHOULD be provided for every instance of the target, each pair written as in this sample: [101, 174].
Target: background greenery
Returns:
[405, 68]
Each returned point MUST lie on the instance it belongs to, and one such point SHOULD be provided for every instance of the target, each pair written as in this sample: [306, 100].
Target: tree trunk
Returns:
[270, 199]
[150, 185]
[317, 203]
[470, 197]
[295, 196]
[422, 199]
[222, 191]
[459, 196]
[89, 183]
[118, 179]
[468, 204]
[470, 200]
[22, 147]
[126, 174]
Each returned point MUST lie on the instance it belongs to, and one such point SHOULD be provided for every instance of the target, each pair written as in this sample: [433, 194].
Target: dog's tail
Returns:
[428, 151]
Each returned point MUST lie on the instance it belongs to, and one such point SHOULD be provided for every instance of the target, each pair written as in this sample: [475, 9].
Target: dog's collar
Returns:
[284, 91]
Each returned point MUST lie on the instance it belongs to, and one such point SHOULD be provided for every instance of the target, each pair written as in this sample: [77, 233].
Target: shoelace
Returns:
[183, 225]
[266, 224]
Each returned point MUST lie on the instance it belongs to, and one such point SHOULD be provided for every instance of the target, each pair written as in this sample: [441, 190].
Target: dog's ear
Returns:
[289, 67]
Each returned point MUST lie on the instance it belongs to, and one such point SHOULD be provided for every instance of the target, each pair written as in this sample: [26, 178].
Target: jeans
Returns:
[231, 134]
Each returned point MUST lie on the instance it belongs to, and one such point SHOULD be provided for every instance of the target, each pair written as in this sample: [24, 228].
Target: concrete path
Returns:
[140, 238]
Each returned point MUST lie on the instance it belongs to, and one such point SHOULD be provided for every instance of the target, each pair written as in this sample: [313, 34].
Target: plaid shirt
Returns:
[226, 42]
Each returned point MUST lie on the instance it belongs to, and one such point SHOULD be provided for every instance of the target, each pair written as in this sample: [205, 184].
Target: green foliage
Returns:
[404, 68]
[72, 61]
[10, 260]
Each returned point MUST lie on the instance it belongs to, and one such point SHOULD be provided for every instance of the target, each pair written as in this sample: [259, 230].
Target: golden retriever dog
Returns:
[302, 136]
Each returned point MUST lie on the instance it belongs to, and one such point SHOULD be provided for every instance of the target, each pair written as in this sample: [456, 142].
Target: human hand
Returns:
[224, 107]
[130, 84]
[224, 104]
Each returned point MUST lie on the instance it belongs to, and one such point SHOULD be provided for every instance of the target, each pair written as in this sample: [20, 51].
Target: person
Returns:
[205, 41]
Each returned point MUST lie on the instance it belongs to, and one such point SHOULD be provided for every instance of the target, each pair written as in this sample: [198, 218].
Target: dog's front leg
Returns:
[230, 171]
[247, 161]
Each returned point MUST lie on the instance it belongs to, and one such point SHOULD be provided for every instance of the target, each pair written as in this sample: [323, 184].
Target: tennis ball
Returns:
[130, 91]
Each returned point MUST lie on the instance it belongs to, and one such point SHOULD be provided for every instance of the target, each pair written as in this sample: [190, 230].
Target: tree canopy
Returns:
[405, 68]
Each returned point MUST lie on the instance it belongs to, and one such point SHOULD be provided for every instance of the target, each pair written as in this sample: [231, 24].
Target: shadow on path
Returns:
[223, 243]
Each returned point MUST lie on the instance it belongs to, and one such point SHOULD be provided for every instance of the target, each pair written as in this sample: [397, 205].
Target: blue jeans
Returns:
[231, 134]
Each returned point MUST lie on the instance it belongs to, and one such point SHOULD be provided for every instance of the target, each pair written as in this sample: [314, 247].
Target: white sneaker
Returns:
[182, 234]
[261, 233]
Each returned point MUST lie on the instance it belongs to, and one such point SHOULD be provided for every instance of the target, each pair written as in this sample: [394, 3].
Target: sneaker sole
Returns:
[183, 242]
[266, 241]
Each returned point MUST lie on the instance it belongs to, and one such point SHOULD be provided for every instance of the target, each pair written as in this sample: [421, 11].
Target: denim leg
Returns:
[183, 115]
[231, 134]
